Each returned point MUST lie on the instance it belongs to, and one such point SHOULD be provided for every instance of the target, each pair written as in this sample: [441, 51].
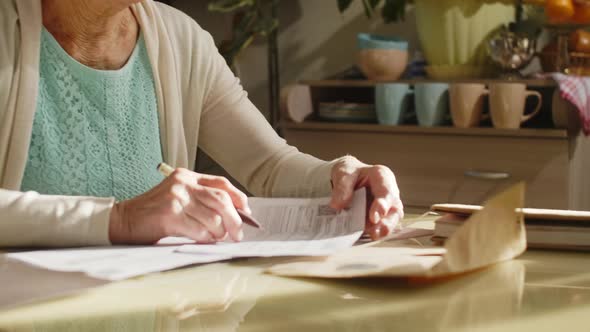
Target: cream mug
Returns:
[507, 103]
[467, 104]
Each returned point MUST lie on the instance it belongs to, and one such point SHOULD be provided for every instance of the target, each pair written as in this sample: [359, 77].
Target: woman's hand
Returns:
[200, 207]
[386, 208]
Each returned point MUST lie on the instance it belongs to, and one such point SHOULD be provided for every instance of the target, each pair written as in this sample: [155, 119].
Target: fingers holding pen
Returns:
[179, 206]
[238, 198]
[210, 206]
[198, 222]
[196, 231]
[220, 203]
[210, 219]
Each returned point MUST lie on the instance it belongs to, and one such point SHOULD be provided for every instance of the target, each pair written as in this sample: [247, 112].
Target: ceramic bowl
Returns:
[382, 58]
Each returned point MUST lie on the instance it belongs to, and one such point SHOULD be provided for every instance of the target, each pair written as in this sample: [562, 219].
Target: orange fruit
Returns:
[580, 41]
[581, 14]
[559, 11]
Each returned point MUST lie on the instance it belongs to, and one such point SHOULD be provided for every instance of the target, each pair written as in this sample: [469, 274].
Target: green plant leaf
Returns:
[343, 5]
[374, 3]
[225, 6]
[242, 35]
[251, 18]
[368, 9]
[394, 10]
[265, 26]
[370, 6]
[231, 48]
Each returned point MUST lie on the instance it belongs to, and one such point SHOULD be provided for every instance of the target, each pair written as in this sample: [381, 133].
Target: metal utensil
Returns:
[511, 52]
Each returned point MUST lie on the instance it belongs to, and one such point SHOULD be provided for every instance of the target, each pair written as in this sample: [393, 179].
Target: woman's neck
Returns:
[100, 34]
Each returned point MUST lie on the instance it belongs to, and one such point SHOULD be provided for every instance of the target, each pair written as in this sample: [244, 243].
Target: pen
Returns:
[166, 170]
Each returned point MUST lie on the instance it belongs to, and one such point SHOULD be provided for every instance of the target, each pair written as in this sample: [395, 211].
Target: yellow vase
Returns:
[453, 34]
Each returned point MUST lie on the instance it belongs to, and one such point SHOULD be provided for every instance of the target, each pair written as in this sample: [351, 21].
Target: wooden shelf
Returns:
[376, 128]
[368, 84]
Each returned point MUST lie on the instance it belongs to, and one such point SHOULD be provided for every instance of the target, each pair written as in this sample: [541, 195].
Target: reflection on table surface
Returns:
[543, 290]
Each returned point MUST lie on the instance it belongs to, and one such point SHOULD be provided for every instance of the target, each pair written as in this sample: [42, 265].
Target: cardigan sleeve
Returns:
[8, 32]
[236, 135]
[31, 220]
[9, 40]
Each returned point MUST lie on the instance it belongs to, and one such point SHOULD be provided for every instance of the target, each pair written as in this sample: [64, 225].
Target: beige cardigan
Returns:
[200, 102]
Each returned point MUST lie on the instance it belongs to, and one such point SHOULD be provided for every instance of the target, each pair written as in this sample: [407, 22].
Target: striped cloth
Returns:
[576, 90]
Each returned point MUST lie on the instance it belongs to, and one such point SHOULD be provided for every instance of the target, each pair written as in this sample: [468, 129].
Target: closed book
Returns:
[547, 229]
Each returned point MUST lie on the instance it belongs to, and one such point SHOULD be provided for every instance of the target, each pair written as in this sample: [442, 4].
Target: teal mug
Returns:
[432, 103]
[392, 102]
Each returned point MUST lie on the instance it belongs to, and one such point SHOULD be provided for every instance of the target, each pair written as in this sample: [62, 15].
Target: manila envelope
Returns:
[492, 235]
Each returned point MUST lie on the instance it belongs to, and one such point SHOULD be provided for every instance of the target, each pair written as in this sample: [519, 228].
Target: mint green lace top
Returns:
[95, 132]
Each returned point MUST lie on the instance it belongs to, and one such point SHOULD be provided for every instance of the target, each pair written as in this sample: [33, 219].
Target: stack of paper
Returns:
[113, 263]
[294, 227]
[290, 227]
[492, 235]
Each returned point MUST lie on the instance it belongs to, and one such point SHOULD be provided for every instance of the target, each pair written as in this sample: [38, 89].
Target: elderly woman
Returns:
[95, 93]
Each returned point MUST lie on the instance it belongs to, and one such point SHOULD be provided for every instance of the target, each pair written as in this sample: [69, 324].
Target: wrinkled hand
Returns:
[386, 209]
[198, 206]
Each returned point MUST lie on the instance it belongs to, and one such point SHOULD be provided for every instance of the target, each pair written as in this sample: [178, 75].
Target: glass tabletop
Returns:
[542, 290]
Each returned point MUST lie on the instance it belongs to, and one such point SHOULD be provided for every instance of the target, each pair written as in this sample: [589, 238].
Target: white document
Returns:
[113, 263]
[294, 227]
[291, 227]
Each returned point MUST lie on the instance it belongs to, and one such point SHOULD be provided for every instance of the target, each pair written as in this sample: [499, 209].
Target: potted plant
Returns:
[452, 33]
[392, 11]
[252, 19]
